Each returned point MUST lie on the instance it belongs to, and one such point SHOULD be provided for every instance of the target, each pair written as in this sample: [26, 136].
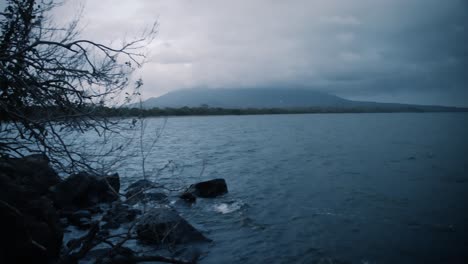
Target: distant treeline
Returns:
[191, 111]
[56, 114]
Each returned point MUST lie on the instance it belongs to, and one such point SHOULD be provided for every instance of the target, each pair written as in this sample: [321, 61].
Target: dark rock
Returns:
[155, 196]
[83, 190]
[95, 209]
[31, 231]
[103, 233]
[138, 187]
[16, 244]
[188, 197]
[113, 181]
[110, 225]
[119, 214]
[74, 243]
[166, 226]
[13, 193]
[145, 197]
[33, 173]
[44, 224]
[118, 255]
[85, 223]
[209, 189]
[82, 214]
[143, 191]
[141, 184]
[64, 222]
[80, 219]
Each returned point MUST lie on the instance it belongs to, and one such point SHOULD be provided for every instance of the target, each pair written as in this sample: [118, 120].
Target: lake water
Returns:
[355, 188]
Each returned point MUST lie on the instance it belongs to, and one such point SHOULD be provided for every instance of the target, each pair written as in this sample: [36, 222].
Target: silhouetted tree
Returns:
[52, 81]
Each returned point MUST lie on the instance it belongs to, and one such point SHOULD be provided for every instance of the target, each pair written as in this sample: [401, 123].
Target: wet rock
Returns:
[103, 233]
[110, 225]
[209, 189]
[188, 197]
[119, 214]
[82, 214]
[145, 197]
[190, 253]
[95, 209]
[83, 190]
[142, 191]
[120, 255]
[81, 223]
[155, 196]
[80, 219]
[74, 243]
[166, 226]
[140, 184]
[138, 187]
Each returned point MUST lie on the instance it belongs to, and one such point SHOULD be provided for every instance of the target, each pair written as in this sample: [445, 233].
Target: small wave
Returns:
[225, 208]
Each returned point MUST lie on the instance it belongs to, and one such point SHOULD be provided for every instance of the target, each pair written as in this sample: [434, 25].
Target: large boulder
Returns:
[188, 197]
[83, 190]
[166, 226]
[138, 187]
[80, 218]
[31, 172]
[113, 181]
[16, 243]
[119, 214]
[13, 193]
[116, 255]
[209, 189]
[143, 191]
[30, 229]
[42, 221]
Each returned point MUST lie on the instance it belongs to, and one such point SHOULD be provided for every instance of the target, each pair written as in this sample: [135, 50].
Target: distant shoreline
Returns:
[125, 112]
[212, 111]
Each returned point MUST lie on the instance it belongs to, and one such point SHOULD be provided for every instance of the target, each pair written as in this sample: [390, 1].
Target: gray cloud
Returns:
[388, 50]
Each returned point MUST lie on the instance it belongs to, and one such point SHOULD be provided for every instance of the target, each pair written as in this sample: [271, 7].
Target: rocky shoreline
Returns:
[88, 218]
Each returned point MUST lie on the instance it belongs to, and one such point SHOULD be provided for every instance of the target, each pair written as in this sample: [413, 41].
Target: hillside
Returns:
[245, 98]
[261, 98]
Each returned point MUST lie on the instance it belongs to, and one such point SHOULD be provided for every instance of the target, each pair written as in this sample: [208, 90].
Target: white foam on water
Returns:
[225, 208]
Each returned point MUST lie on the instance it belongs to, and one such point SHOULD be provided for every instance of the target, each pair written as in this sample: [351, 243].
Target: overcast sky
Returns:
[412, 51]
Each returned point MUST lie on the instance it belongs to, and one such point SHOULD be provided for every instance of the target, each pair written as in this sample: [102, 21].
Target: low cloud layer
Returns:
[411, 51]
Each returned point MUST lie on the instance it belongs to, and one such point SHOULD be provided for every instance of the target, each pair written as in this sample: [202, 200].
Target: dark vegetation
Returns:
[205, 110]
[102, 112]
[52, 81]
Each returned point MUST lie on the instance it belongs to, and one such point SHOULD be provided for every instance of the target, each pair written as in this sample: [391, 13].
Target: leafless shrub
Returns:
[53, 83]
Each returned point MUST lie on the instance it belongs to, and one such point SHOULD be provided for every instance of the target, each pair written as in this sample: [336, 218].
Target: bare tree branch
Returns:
[52, 81]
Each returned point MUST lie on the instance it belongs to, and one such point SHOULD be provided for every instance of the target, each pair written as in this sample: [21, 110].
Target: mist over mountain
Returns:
[285, 98]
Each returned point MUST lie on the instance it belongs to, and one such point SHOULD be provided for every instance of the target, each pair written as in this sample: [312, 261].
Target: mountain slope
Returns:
[246, 98]
[286, 98]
